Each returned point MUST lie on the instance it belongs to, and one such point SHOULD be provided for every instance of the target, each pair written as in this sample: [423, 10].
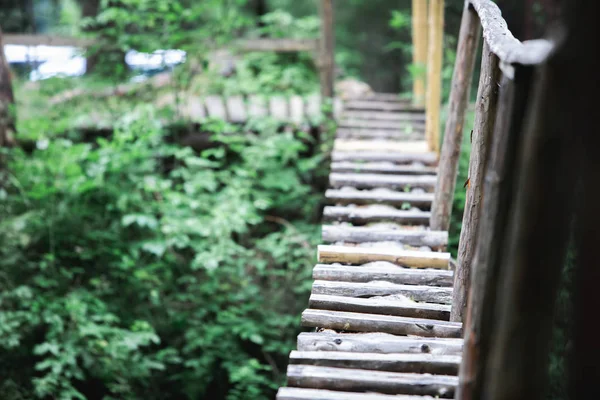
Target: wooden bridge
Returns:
[393, 316]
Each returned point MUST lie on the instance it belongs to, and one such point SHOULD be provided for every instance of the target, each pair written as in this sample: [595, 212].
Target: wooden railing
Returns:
[490, 250]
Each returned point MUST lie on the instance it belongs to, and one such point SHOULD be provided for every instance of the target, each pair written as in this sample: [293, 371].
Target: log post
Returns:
[434, 73]
[485, 117]
[419, 40]
[496, 207]
[326, 57]
[7, 102]
[537, 236]
[459, 95]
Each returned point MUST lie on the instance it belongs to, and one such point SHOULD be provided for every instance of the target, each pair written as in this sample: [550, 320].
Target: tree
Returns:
[7, 100]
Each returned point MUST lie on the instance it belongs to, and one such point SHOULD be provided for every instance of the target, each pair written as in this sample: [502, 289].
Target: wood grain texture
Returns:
[377, 343]
[292, 393]
[389, 197]
[362, 234]
[461, 84]
[380, 305]
[370, 181]
[363, 255]
[387, 290]
[398, 158]
[382, 168]
[365, 215]
[412, 363]
[308, 376]
[485, 117]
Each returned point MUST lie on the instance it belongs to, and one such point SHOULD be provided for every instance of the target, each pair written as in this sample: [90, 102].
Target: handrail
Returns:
[502, 42]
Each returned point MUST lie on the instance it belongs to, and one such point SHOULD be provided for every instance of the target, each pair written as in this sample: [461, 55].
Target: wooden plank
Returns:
[278, 107]
[195, 108]
[257, 107]
[408, 133]
[382, 168]
[381, 106]
[297, 109]
[385, 116]
[312, 106]
[215, 107]
[385, 306]
[398, 158]
[379, 196]
[407, 293]
[417, 146]
[377, 343]
[435, 51]
[485, 117]
[378, 124]
[419, 39]
[364, 234]
[363, 255]
[309, 376]
[289, 393]
[45, 40]
[236, 109]
[370, 181]
[388, 97]
[359, 322]
[382, 271]
[285, 45]
[415, 363]
[338, 107]
[366, 215]
[459, 94]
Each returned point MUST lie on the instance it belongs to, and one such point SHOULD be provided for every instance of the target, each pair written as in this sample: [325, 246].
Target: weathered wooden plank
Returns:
[381, 106]
[312, 106]
[388, 97]
[278, 107]
[407, 293]
[284, 45]
[215, 107]
[459, 95]
[257, 107]
[377, 343]
[46, 40]
[297, 109]
[398, 158]
[236, 109]
[362, 234]
[290, 393]
[365, 215]
[380, 305]
[503, 43]
[382, 168]
[386, 116]
[370, 181]
[194, 108]
[379, 196]
[407, 133]
[412, 363]
[378, 124]
[418, 146]
[363, 255]
[485, 117]
[382, 271]
[308, 376]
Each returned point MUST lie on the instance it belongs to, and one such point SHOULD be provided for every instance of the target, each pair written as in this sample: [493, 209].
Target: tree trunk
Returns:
[7, 101]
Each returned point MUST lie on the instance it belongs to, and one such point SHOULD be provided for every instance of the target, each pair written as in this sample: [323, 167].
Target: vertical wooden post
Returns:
[468, 39]
[485, 117]
[326, 49]
[498, 188]
[434, 73]
[7, 101]
[419, 40]
[537, 237]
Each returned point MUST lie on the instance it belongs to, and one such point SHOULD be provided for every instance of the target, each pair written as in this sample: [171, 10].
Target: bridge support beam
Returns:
[461, 84]
[419, 40]
[326, 60]
[434, 73]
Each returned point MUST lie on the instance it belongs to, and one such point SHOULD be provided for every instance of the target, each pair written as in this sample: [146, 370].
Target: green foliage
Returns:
[133, 268]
